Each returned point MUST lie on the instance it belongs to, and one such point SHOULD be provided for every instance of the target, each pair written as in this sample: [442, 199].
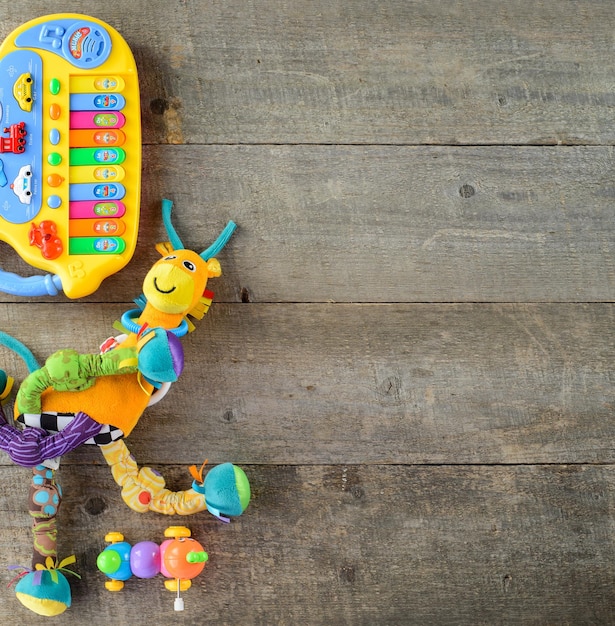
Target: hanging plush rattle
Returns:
[98, 399]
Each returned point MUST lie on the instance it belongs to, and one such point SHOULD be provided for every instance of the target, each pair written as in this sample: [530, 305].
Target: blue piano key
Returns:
[97, 102]
[95, 191]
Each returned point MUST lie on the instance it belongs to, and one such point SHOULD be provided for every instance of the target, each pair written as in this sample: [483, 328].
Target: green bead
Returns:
[108, 561]
[197, 557]
[54, 158]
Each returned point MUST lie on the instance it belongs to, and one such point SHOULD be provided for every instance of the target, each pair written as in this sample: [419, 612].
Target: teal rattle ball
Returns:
[227, 491]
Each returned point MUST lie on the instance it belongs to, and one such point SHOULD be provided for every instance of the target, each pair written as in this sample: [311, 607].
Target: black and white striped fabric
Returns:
[54, 422]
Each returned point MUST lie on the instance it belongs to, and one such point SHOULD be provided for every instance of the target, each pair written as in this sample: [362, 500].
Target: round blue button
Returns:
[54, 202]
[54, 136]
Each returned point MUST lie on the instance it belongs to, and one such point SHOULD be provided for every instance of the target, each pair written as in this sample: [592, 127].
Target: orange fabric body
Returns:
[117, 400]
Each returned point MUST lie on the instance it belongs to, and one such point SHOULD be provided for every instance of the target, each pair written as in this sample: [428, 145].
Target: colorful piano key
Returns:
[95, 156]
[93, 227]
[97, 101]
[84, 138]
[96, 191]
[96, 245]
[96, 119]
[91, 208]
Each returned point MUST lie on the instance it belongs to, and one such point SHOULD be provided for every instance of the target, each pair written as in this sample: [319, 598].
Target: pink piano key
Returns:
[87, 209]
[96, 119]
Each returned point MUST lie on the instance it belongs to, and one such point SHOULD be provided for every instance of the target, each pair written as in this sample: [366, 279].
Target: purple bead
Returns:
[145, 559]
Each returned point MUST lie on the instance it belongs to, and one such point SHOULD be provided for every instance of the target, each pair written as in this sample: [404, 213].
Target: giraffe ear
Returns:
[164, 248]
[213, 268]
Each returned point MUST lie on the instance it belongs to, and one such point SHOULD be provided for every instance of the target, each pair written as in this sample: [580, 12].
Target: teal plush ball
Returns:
[227, 490]
[41, 594]
[161, 356]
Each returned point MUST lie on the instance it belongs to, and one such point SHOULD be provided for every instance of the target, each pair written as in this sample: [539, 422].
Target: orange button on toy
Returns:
[55, 180]
[54, 111]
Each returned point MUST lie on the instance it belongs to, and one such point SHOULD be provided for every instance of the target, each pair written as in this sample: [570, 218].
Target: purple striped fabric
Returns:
[32, 446]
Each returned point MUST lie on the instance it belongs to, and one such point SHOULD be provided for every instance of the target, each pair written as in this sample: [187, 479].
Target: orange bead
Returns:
[178, 558]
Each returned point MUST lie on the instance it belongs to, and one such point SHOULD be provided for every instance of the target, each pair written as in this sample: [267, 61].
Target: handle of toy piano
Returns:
[30, 286]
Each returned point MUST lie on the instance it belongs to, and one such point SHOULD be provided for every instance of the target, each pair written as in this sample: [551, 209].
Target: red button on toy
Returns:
[144, 497]
[45, 237]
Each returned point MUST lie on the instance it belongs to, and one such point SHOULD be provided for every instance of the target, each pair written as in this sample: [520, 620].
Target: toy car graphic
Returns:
[45, 237]
[22, 185]
[22, 90]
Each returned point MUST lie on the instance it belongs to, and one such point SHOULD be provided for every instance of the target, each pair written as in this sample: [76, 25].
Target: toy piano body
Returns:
[70, 153]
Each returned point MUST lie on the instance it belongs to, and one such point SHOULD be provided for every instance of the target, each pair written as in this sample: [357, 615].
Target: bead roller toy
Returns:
[179, 558]
[70, 153]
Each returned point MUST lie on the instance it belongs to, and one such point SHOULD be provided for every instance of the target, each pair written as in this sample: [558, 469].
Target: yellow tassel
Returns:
[69, 560]
[200, 308]
[132, 362]
[52, 566]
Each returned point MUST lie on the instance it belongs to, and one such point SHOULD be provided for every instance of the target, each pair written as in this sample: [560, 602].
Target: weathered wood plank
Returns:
[369, 383]
[394, 448]
[266, 71]
[354, 545]
[385, 224]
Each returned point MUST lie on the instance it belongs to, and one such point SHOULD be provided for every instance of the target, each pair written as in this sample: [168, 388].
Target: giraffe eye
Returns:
[190, 266]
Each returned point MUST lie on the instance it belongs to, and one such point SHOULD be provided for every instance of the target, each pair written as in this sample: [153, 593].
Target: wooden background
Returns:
[411, 348]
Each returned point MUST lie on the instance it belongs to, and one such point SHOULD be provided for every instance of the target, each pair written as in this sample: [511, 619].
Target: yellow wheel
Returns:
[114, 585]
[114, 537]
[171, 584]
[177, 531]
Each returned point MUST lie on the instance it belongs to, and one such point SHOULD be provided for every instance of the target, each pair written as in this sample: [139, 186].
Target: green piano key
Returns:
[95, 156]
[96, 245]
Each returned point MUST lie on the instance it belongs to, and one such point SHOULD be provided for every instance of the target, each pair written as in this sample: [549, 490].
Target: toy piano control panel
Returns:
[70, 153]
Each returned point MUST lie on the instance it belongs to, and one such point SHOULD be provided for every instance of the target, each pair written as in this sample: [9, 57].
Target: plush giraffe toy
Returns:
[98, 398]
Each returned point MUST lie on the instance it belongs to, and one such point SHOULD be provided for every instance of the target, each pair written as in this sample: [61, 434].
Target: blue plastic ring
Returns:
[132, 327]
[198, 487]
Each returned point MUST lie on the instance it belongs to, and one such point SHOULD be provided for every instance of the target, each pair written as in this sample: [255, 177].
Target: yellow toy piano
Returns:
[70, 153]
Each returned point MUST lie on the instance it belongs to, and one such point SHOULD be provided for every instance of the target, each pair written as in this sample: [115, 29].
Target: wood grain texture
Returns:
[385, 72]
[266, 71]
[365, 545]
[410, 350]
[384, 224]
[369, 383]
